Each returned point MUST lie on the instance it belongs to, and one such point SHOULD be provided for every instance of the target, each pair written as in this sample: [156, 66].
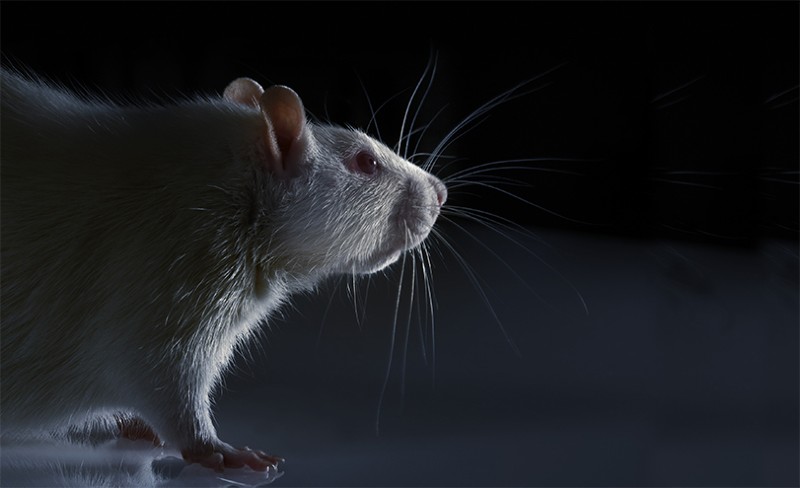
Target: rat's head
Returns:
[345, 202]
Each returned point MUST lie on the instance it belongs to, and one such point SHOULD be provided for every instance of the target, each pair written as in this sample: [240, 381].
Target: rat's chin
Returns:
[389, 255]
[379, 261]
[385, 255]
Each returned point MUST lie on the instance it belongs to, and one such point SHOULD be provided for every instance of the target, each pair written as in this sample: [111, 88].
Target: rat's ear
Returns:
[244, 91]
[286, 121]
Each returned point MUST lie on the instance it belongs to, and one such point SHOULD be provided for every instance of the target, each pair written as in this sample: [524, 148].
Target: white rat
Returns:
[141, 246]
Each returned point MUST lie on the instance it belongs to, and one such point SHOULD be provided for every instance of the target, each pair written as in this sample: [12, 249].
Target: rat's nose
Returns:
[440, 189]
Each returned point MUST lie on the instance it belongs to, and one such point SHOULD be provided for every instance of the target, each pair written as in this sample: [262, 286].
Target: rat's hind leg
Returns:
[107, 427]
[134, 428]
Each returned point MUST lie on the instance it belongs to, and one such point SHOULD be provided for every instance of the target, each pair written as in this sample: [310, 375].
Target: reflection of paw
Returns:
[220, 455]
[134, 428]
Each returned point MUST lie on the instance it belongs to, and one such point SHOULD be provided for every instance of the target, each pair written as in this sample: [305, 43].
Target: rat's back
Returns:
[89, 226]
[46, 253]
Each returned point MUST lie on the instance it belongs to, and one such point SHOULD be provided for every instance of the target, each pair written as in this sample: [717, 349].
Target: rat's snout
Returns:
[440, 189]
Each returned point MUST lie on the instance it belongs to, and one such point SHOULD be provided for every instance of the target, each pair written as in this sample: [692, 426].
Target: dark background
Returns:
[618, 101]
[673, 132]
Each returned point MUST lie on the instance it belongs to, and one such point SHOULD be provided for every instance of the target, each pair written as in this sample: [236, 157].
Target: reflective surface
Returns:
[683, 372]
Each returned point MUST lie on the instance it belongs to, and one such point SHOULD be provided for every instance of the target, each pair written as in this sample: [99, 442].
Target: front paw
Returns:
[220, 455]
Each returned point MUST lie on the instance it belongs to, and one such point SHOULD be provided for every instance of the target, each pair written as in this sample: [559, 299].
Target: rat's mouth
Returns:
[411, 225]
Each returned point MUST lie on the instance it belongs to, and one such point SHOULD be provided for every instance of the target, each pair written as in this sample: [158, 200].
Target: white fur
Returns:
[142, 245]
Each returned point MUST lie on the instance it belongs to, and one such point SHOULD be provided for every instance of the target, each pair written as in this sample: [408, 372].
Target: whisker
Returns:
[493, 180]
[431, 304]
[510, 164]
[419, 130]
[325, 314]
[782, 93]
[499, 258]
[422, 136]
[372, 111]
[354, 297]
[471, 275]
[685, 183]
[779, 180]
[495, 219]
[783, 104]
[432, 159]
[380, 107]
[423, 332]
[526, 249]
[421, 102]
[425, 155]
[528, 202]
[700, 232]
[455, 187]
[390, 361]
[408, 329]
[699, 173]
[422, 325]
[681, 87]
[360, 311]
[504, 97]
[408, 106]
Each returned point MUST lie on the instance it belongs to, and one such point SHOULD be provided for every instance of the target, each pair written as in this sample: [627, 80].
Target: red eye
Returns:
[365, 163]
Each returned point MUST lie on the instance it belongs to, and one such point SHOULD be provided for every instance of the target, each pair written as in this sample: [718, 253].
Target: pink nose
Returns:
[441, 191]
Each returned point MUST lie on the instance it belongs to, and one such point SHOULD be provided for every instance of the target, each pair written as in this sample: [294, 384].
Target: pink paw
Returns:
[221, 456]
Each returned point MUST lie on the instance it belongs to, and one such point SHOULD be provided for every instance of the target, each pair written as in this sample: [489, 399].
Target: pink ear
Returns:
[244, 91]
[286, 120]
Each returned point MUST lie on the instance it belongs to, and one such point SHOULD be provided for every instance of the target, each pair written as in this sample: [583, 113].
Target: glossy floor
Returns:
[592, 361]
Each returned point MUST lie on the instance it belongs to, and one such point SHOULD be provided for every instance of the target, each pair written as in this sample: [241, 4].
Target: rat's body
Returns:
[142, 246]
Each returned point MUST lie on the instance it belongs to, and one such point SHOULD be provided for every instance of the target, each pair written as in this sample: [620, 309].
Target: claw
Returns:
[223, 456]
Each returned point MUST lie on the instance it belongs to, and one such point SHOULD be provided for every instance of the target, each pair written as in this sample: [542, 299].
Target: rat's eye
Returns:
[364, 162]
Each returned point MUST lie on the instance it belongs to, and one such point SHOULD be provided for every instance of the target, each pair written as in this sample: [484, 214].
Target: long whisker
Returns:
[504, 97]
[421, 131]
[476, 118]
[390, 361]
[498, 181]
[499, 258]
[431, 304]
[325, 315]
[494, 219]
[700, 232]
[681, 87]
[424, 260]
[528, 202]
[780, 94]
[381, 106]
[421, 102]
[511, 164]
[422, 136]
[685, 183]
[529, 251]
[361, 312]
[443, 169]
[372, 111]
[422, 325]
[699, 173]
[467, 178]
[408, 329]
[783, 104]
[473, 278]
[408, 106]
